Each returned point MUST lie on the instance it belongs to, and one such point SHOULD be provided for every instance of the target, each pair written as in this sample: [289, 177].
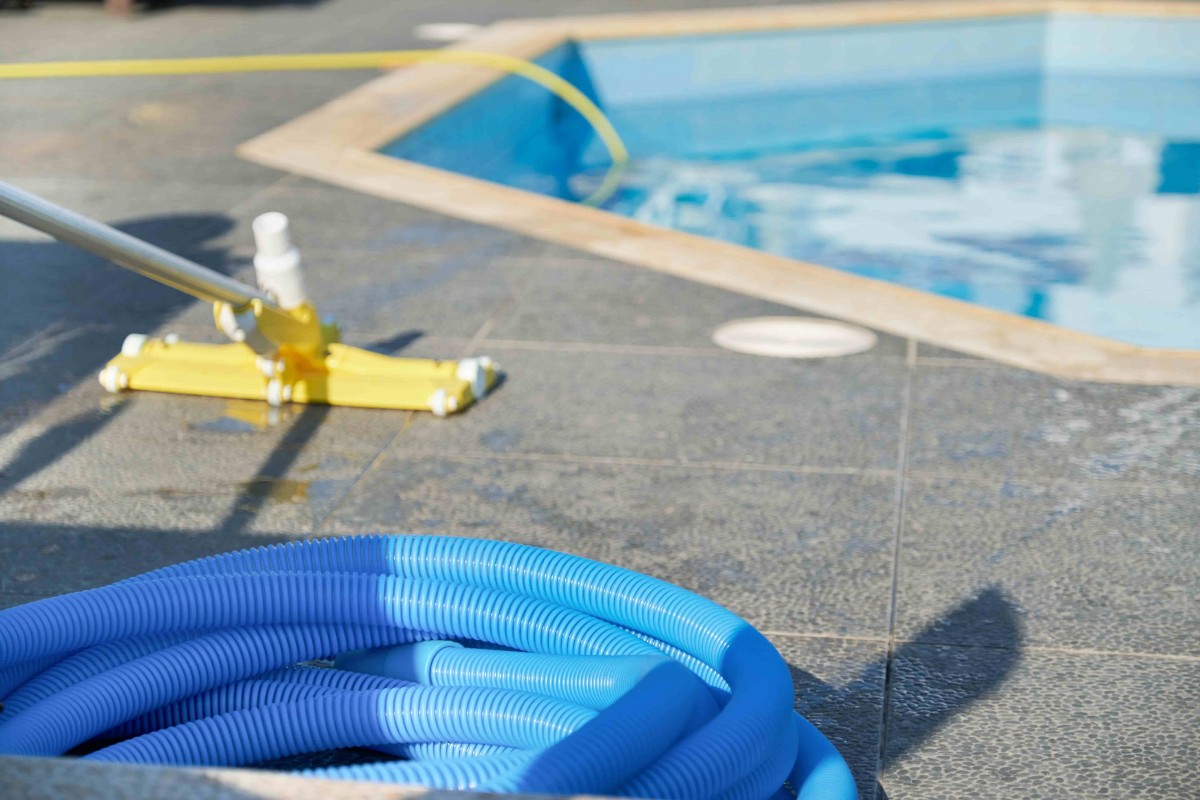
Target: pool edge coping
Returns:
[338, 143]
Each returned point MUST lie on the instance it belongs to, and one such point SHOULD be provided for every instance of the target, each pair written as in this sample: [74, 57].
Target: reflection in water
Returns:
[1093, 229]
[245, 416]
[275, 490]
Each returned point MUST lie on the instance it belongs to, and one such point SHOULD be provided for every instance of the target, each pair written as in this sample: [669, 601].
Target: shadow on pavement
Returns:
[67, 313]
[840, 707]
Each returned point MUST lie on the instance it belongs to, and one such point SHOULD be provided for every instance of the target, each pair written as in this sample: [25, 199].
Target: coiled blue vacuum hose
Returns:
[484, 665]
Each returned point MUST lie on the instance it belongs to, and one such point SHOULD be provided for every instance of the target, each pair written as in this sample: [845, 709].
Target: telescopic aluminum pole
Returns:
[125, 250]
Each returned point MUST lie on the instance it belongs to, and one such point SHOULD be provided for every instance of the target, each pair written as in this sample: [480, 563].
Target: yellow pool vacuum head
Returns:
[281, 350]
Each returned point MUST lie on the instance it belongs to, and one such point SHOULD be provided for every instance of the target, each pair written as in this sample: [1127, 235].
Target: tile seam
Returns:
[905, 425]
[567, 458]
[1025, 648]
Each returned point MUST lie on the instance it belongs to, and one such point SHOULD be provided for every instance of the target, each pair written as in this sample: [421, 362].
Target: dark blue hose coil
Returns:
[484, 665]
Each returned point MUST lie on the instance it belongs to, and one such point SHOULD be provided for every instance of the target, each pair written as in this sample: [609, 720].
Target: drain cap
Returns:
[445, 31]
[793, 337]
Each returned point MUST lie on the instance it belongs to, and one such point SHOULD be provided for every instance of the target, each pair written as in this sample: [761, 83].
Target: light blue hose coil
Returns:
[576, 676]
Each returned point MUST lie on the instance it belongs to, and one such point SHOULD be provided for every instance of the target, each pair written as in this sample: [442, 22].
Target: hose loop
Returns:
[484, 665]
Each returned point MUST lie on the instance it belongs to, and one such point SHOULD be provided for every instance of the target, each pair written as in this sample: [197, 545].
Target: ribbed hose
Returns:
[605, 681]
[281, 686]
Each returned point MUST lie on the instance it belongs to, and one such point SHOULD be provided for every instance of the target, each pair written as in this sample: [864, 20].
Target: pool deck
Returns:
[984, 579]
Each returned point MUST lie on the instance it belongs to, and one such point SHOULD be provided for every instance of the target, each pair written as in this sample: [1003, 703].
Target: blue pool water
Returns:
[1093, 229]
[1039, 167]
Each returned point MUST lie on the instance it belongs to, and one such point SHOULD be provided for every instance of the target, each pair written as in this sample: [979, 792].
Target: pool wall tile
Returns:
[819, 116]
[1125, 45]
[1009, 72]
[628, 72]
[514, 132]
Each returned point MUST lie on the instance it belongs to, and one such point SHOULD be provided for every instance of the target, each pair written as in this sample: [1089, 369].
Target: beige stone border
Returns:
[338, 143]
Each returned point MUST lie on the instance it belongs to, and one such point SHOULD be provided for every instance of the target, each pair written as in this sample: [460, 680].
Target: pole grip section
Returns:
[125, 250]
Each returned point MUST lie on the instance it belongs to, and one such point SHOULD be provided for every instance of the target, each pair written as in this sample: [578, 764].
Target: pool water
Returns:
[1041, 169]
[1093, 229]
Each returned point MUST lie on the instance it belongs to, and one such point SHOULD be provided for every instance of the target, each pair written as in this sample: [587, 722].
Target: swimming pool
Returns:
[1046, 166]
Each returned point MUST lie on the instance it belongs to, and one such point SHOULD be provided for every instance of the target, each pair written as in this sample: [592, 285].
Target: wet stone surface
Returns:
[984, 578]
[980, 722]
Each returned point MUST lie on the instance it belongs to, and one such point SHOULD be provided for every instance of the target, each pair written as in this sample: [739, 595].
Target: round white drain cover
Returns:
[445, 31]
[793, 337]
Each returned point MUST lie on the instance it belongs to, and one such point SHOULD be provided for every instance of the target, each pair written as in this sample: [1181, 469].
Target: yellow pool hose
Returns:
[381, 59]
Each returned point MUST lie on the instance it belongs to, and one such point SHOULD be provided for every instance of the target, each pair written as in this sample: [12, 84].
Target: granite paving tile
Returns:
[102, 150]
[1008, 423]
[839, 688]
[1046, 521]
[720, 407]
[987, 722]
[788, 551]
[612, 303]
[45, 559]
[1084, 565]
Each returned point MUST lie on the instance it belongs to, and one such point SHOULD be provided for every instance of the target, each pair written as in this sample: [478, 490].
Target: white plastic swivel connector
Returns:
[442, 403]
[134, 344]
[277, 262]
[113, 379]
[277, 393]
[243, 328]
[475, 372]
